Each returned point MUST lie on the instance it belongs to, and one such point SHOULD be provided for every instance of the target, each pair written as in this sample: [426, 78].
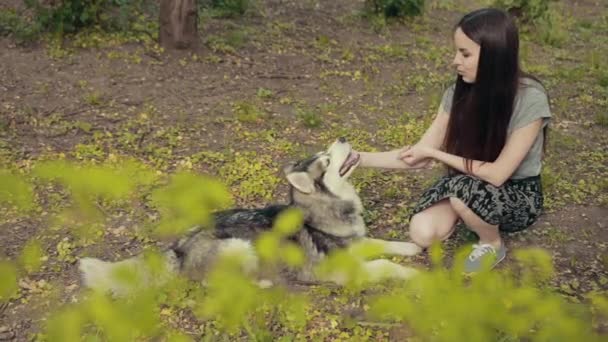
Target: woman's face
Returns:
[467, 56]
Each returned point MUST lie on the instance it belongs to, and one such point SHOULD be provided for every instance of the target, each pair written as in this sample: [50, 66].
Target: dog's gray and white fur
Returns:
[333, 220]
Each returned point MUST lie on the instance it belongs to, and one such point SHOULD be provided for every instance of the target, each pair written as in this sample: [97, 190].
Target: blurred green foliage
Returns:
[443, 305]
[186, 201]
[440, 304]
[15, 191]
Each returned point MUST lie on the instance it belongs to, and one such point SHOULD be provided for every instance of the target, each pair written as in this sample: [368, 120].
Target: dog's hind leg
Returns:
[125, 277]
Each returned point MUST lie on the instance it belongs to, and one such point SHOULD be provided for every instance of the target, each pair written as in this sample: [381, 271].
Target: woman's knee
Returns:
[422, 231]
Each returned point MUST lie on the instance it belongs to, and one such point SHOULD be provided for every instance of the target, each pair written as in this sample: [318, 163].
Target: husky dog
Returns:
[332, 220]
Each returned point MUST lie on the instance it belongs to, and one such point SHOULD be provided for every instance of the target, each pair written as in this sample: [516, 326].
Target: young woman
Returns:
[489, 132]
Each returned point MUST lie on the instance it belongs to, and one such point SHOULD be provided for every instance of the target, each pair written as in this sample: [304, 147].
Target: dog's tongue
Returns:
[352, 159]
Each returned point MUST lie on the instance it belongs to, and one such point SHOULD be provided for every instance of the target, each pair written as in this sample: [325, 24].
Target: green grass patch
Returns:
[309, 117]
[250, 176]
[247, 112]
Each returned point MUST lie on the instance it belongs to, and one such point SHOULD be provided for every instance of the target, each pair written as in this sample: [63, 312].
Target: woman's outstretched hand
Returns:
[416, 156]
[390, 160]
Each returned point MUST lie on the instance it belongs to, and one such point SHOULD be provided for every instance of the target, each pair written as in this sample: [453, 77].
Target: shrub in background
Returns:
[552, 28]
[527, 10]
[15, 25]
[395, 8]
[226, 8]
[549, 24]
[70, 16]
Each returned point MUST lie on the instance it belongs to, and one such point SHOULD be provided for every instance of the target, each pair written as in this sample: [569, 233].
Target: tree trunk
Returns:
[178, 24]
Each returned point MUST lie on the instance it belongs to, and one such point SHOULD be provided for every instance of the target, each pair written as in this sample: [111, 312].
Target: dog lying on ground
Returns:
[332, 220]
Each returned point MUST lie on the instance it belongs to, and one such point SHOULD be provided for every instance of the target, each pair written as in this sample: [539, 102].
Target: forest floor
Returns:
[277, 84]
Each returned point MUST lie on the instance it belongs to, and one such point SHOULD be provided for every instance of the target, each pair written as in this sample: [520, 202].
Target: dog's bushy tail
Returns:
[156, 269]
[127, 276]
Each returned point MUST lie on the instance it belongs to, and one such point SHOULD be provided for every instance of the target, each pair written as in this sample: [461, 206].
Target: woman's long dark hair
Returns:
[481, 111]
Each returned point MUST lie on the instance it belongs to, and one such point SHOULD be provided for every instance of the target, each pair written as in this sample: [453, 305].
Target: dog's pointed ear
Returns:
[301, 181]
[288, 168]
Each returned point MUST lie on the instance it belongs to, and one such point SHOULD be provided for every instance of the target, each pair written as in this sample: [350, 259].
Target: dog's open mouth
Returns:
[351, 160]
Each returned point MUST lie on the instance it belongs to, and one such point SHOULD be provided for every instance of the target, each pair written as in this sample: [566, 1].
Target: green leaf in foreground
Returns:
[8, 280]
[14, 190]
[188, 200]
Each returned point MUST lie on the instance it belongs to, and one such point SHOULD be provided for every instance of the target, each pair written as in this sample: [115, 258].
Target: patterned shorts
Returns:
[513, 206]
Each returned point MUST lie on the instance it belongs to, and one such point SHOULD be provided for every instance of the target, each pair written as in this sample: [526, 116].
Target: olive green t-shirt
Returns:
[531, 103]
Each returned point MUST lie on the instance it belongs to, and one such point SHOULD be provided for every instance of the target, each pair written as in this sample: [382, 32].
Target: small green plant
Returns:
[442, 4]
[89, 152]
[396, 51]
[247, 112]
[310, 117]
[65, 250]
[93, 98]
[264, 93]
[395, 8]
[220, 44]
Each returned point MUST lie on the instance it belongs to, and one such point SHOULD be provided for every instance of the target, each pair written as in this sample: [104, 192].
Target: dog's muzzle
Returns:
[351, 160]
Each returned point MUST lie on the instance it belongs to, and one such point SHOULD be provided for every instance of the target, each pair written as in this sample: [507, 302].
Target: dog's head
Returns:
[325, 172]
[320, 187]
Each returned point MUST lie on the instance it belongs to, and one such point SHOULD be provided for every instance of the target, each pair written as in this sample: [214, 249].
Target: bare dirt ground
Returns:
[272, 86]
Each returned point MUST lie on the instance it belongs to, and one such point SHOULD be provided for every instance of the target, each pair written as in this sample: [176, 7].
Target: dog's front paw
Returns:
[265, 284]
[403, 248]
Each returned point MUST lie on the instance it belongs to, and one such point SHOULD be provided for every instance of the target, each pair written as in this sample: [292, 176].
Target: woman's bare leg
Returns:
[435, 223]
[487, 233]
